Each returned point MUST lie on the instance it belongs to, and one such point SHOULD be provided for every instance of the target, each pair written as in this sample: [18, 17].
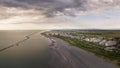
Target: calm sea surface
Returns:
[30, 53]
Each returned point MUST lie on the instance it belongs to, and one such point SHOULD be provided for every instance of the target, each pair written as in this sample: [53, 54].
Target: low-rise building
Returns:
[95, 40]
[102, 42]
[110, 43]
[110, 48]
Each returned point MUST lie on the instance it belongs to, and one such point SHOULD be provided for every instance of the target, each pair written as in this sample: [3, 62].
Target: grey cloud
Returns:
[51, 7]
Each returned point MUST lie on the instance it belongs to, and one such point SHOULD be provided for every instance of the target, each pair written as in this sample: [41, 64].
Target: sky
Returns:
[59, 14]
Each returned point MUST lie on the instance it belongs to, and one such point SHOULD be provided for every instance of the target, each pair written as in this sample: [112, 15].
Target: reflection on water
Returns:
[9, 37]
[29, 54]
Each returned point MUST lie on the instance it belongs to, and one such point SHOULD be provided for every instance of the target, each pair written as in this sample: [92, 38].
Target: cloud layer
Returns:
[54, 11]
[60, 7]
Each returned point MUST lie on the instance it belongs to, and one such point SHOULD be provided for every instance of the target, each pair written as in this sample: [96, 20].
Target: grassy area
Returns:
[94, 48]
[102, 34]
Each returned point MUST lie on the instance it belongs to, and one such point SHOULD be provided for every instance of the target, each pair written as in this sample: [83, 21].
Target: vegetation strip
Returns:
[94, 48]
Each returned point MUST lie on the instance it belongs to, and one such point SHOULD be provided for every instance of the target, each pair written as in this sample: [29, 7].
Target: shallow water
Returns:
[30, 53]
[9, 37]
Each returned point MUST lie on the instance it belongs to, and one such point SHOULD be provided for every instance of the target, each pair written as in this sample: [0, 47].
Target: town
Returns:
[101, 43]
[108, 43]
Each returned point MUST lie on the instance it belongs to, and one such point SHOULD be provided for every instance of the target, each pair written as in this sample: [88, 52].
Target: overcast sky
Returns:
[59, 14]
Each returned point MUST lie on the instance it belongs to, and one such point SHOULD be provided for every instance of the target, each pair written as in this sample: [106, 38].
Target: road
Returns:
[36, 51]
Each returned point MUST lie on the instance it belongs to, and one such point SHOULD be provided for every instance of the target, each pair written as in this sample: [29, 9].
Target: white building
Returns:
[110, 43]
[109, 48]
[87, 39]
[95, 40]
[102, 42]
